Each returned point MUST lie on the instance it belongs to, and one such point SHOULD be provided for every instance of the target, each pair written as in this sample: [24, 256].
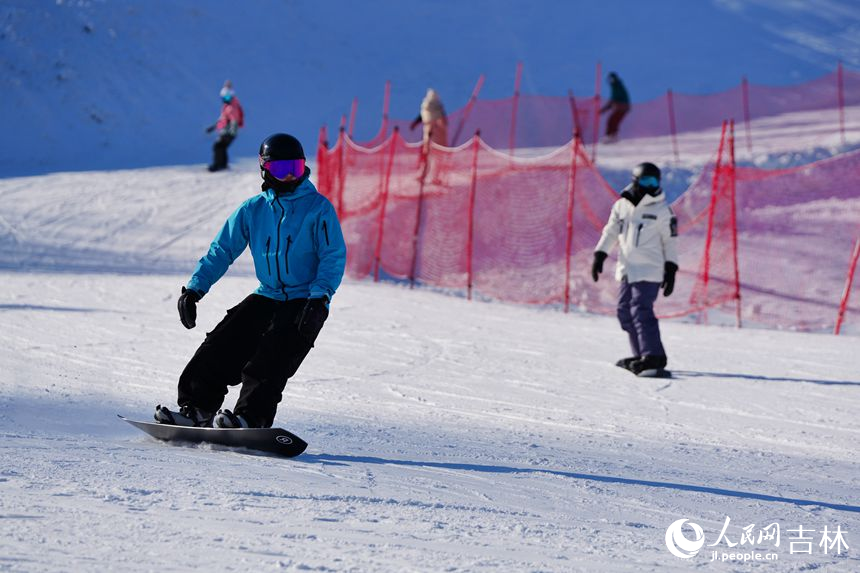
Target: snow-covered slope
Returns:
[444, 435]
[93, 84]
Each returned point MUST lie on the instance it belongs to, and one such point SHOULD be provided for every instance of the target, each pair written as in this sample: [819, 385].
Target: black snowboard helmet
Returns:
[281, 146]
[646, 179]
[284, 149]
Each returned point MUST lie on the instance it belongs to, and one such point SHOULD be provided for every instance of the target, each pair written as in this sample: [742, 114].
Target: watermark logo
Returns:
[678, 543]
[753, 543]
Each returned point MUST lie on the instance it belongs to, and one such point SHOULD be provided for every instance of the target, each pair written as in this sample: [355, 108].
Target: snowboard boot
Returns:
[627, 363]
[186, 416]
[649, 366]
[227, 419]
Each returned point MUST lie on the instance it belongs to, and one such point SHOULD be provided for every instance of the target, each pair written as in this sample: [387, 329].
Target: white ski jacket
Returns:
[647, 235]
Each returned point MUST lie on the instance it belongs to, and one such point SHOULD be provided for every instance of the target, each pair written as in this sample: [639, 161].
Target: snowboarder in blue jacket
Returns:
[299, 257]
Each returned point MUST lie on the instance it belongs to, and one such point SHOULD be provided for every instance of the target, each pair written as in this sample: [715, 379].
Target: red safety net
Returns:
[796, 230]
[528, 121]
[523, 230]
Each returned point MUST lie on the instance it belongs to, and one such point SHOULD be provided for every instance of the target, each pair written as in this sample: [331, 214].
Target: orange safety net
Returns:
[797, 229]
[529, 121]
[523, 230]
[506, 228]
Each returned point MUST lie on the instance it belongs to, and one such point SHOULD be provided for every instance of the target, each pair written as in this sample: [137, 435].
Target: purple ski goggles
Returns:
[281, 168]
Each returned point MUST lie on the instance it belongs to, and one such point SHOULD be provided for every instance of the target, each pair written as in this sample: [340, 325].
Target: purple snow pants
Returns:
[636, 315]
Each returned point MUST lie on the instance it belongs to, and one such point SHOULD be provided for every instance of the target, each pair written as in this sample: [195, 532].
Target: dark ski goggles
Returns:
[281, 168]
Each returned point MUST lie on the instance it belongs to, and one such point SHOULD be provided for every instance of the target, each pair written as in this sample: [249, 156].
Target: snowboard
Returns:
[272, 440]
[652, 373]
[655, 373]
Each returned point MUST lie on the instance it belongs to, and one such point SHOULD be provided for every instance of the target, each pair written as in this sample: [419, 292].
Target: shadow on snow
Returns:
[693, 374]
[330, 458]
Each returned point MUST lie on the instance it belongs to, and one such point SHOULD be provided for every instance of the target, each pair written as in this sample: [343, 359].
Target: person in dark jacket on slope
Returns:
[619, 104]
[299, 257]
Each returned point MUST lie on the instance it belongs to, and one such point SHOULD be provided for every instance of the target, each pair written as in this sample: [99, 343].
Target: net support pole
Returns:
[571, 197]
[386, 182]
[846, 293]
[706, 265]
[512, 138]
[596, 136]
[323, 138]
[577, 129]
[672, 126]
[416, 233]
[840, 95]
[352, 111]
[745, 94]
[472, 99]
[470, 235]
[386, 101]
[341, 171]
[322, 164]
[734, 223]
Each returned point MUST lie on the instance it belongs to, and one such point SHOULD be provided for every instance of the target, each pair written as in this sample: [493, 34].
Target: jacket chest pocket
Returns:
[644, 231]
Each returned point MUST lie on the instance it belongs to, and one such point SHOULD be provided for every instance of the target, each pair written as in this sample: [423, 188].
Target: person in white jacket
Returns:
[646, 230]
[434, 119]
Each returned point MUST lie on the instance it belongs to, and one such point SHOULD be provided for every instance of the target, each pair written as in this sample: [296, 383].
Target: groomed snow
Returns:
[445, 435]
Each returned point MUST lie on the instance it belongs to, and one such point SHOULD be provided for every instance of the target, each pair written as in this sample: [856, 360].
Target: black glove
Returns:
[210, 129]
[597, 265]
[414, 123]
[310, 321]
[669, 270]
[188, 307]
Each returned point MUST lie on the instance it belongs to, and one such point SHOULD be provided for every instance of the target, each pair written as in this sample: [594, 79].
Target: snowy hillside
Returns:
[95, 84]
[444, 435]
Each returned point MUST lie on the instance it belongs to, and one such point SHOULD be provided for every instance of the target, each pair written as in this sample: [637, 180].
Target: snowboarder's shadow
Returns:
[347, 460]
[694, 374]
[39, 307]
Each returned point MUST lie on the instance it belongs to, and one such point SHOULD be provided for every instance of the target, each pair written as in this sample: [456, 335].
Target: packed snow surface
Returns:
[445, 435]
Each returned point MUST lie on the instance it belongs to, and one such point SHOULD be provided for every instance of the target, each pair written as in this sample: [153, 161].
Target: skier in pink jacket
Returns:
[231, 119]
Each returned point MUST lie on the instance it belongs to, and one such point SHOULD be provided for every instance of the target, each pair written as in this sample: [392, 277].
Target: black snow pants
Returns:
[257, 345]
[619, 110]
[219, 152]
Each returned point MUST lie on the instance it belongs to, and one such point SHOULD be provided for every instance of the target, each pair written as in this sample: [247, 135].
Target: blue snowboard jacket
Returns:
[295, 239]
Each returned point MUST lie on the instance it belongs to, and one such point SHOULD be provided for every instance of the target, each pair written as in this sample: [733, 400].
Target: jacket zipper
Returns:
[325, 230]
[268, 244]
[638, 232]
[287, 253]
[278, 241]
